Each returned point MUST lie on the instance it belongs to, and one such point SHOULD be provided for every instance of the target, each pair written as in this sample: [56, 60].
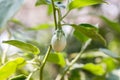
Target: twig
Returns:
[54, 13]
[44, 62]
[29, 76]
[75, 59]
[59, 17]
[65, 15]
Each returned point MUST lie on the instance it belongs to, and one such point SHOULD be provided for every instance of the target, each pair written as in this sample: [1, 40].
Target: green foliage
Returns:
[75, 75]
[49, 11]
[95, 69]
[89, 31]
[82, 3]
[110, 64]
[23, 46]
[114, 46]
[19, 77]
[41, 26]
[17, 22]
[40, 2]
[80, 36]
[57, 58]
[99, 78]
[95, 63]
[7, 9]
[113, 25]
[10, 67]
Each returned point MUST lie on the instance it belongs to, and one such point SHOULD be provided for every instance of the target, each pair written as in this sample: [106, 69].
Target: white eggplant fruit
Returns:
[58, 41]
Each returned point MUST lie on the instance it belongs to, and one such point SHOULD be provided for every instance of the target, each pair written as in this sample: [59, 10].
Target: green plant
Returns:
[85, 33]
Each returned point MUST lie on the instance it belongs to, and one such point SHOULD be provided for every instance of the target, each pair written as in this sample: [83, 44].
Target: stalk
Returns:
[54, 14]
[75, 59]
[44, 62]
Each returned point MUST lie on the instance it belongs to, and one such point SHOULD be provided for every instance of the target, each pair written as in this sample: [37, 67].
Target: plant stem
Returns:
[59, 18]
[75, 59]
[28, 78]
[65, 15]
[44, 62]
[54, 13]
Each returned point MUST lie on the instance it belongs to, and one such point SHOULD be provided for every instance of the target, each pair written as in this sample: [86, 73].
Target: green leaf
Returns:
[89, 31]
[57, 58]
[113, 25]
[19, 77]
[95, 69]
[109, 53]
[80, 36]
[7, 9]
[17, 22]
[75, 74]
[99, 78]
[82, 3]
[50, 10]
[23, 46]
[42, 2]
[114, 45]
[41, 26]
[10, 67]
[110, 64]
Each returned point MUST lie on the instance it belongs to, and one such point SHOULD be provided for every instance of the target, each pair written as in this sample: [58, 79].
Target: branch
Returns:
[54, 13]
[44, 62]
[76, 58]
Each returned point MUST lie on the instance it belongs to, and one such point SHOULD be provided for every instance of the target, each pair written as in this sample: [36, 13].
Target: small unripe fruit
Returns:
[58, 41]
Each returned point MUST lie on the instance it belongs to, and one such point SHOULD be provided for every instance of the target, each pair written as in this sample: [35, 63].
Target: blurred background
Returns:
[35, 25]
